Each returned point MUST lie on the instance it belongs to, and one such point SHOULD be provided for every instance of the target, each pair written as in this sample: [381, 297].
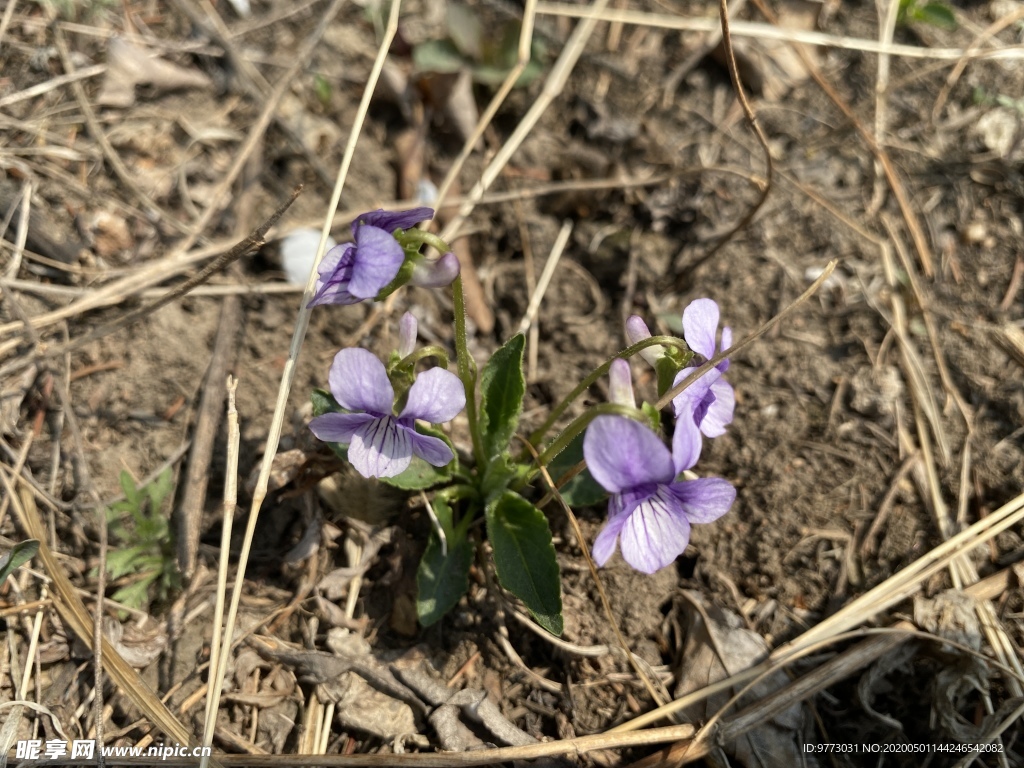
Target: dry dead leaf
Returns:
[139, 647]
[724, 648]
[129, 66]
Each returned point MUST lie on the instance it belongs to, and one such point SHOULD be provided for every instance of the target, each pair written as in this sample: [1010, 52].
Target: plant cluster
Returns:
[144, 550]
[381, 418]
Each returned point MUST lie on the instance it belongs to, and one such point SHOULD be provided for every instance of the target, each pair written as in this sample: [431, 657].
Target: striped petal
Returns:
[381, 448]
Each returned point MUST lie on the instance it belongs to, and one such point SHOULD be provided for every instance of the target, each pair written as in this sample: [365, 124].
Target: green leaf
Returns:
[421, 475]
[502, 386]
[524, 557]
[439, 56]
[936, 14]
[323, 402]
[19, 554]
[123, 561]
[160, 489]
[582, 490]
[464, 30]
[136, 594]
[130, 491]
[442, 580]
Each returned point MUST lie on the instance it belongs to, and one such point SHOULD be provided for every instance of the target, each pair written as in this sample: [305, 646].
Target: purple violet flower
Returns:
[649, 512]
[351, 272]
[711, 406]
[379, 443]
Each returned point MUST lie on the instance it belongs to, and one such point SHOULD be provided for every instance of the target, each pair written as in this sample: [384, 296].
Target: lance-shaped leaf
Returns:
[443, 578]
[524, 557]
[18, 555]
[502, 386]
[582, 490]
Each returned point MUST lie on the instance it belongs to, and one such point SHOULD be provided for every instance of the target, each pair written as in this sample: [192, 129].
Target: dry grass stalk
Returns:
[301, 324]
[773, 32]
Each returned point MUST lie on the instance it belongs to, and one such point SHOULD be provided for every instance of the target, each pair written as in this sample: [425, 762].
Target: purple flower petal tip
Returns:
[390, 221]
[436, 274]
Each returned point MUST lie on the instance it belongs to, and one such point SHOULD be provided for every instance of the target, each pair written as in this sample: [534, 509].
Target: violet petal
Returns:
[704, 500]
[720, 413]
[432, 450]
[338, 427]
[700, 324]
[623, 454]
[378, 259]
[693, 397]
[381, 448]
[436, 274]
[359, 382]
[656, 533]
[686, 444]
[604, 544]
[436, 396]
[389, 221]
[726, 344]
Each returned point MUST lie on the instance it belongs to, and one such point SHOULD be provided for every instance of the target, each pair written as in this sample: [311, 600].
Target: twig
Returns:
[748, 111]
[552, 88]
[773, 32]
[211, 407]
[545, 277]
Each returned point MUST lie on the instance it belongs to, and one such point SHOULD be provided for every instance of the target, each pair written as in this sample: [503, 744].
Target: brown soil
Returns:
[824, 417]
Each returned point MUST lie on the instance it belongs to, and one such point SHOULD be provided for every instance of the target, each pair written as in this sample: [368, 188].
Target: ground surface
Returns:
[901, 363]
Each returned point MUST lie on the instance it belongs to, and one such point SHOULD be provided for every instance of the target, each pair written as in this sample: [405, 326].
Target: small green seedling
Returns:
[489, 57]
[936, 14]
[145, 548]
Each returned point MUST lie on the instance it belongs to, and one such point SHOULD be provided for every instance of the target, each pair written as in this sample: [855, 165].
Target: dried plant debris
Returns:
[129, 66]
[719, 645]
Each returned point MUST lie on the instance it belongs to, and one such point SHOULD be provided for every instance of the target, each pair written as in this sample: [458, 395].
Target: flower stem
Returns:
[433, 351]
[601, 370]
[581, 422]
[467, 370]
[420, 236]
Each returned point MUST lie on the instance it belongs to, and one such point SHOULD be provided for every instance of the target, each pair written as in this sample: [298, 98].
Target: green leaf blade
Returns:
[502, 387]
[18, 555]
[581, 490]
[524, 558]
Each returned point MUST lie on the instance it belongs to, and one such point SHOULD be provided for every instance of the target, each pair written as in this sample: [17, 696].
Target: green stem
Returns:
[467, 370]
[436, 352]
[581, 422]
[419, 236]
[601, 370]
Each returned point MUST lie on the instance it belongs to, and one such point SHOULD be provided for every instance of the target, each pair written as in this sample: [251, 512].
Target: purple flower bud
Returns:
[406, 335]
[621, 389]
[637, 331]
[435, 274]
